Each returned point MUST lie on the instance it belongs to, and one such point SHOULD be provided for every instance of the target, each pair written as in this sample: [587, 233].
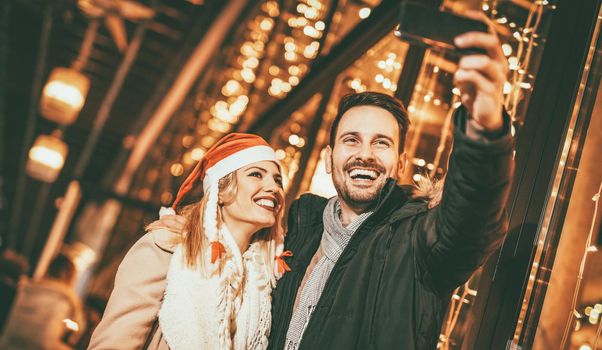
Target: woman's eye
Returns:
[350, 140]
[278, 181]
[256, 174]
[383, 143]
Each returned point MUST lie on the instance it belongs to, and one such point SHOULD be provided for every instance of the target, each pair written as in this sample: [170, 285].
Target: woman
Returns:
[210, 287]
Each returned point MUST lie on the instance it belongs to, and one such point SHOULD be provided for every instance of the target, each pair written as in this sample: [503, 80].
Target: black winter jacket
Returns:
[391, 285]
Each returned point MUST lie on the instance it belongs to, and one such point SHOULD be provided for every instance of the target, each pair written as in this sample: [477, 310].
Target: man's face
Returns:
[365, 154]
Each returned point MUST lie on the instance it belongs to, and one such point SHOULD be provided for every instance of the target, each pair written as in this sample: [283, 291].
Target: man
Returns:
[375, 266]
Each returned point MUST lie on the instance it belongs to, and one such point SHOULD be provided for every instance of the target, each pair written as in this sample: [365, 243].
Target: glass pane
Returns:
[562, 306]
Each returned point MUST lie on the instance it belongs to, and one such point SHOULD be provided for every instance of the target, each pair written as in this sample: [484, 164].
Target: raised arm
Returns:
[470, 222]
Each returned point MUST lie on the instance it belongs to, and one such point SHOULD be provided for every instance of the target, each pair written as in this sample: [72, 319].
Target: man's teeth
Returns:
[266, 203]
[363, 173]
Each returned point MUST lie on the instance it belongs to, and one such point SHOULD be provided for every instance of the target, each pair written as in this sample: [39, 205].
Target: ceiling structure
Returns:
[166, 42]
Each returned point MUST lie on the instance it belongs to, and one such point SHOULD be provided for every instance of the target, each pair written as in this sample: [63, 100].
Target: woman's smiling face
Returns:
[258, 199]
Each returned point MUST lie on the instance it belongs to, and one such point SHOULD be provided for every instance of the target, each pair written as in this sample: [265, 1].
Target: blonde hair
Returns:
[195, 242]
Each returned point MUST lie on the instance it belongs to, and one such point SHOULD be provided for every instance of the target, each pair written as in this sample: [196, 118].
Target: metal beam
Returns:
[4, 17]
[30, 125]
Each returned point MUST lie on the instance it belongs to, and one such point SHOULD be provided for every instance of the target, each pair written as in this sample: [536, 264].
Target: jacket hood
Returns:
[427, 190]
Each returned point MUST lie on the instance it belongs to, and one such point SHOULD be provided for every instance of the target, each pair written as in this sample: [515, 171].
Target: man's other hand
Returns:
[173, 223]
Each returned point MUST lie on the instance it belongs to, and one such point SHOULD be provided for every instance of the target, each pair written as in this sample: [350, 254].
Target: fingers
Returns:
[485, 41]
[485, 73]
[473, 78]
[484, 65]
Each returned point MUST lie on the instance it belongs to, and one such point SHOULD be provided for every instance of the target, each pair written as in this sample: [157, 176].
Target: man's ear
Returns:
[328, 159]
[402, 163]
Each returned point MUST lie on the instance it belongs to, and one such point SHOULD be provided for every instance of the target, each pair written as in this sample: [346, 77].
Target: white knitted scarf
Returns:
[229, 310]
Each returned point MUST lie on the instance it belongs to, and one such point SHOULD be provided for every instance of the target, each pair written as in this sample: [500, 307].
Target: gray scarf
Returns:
[334, 240]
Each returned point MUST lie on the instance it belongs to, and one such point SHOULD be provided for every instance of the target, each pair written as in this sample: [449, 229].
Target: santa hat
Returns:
[229, 154]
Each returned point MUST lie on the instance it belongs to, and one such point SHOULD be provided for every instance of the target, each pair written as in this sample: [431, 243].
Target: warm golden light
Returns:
[280, 154]
[71, 325]
[218, 125]
[247, 75]
[49, 157]
[177, 169]
[232, 87]
[251, 62]
[290, 56]
[64, 92]
[46, 158]
[266, 24]
[64, 95]
[364, 12]
[197, 153]
[293, 139]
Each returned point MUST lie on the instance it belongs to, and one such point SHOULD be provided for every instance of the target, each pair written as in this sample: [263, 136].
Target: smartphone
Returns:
[426, 26]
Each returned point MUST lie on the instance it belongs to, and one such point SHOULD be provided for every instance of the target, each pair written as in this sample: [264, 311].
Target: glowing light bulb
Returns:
[364, 12]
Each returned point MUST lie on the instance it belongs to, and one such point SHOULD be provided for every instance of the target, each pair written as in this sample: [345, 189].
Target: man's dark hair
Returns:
[377, 99]
[61, 268]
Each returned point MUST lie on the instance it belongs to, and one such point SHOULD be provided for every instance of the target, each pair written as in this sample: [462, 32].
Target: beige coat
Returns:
[130, 320]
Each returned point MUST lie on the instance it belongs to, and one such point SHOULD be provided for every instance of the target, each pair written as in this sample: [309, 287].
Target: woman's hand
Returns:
[173, 223]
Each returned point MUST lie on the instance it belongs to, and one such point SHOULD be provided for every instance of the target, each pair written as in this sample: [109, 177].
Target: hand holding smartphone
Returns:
[426, 26]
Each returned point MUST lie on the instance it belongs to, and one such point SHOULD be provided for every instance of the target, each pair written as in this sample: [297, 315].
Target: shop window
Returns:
[562, 305]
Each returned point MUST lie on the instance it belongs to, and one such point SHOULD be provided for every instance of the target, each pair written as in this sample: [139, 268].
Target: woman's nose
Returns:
[271, 185]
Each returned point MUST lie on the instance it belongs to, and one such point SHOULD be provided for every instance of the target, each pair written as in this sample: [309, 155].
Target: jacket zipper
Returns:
[380, 276]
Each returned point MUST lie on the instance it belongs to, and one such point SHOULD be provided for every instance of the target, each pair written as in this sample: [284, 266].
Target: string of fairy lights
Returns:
[219, 108]
[295, 33]
[592, 313]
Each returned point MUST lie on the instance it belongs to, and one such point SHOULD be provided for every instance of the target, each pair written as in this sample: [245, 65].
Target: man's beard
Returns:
[359, 198]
